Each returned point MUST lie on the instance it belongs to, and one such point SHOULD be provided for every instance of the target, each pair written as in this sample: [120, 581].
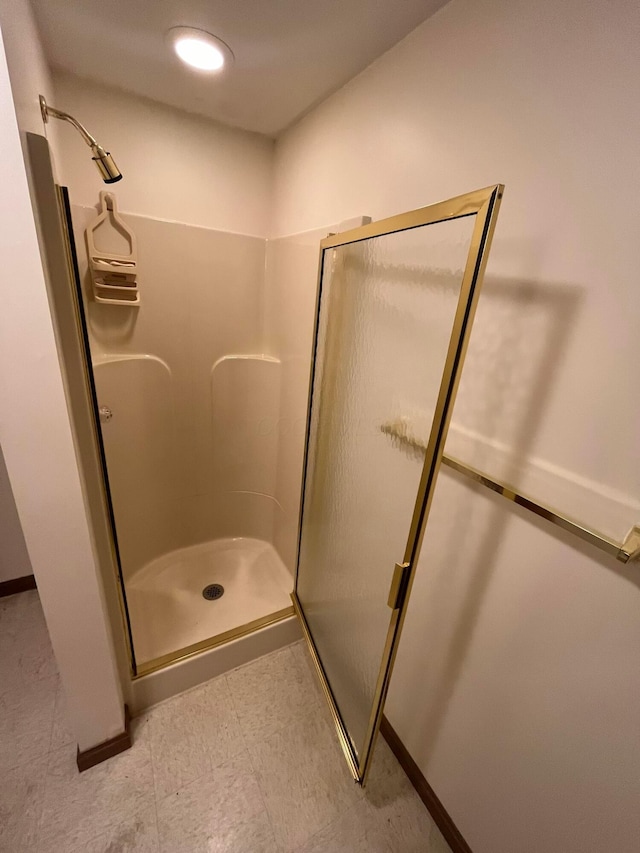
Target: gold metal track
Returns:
[343, 736]
[204, 645]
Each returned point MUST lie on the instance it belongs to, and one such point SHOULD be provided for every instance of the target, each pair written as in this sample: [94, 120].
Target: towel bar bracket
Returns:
[630, 550]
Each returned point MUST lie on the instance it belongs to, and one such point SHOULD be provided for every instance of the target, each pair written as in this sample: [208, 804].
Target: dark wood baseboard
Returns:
[113, 746]
[17, 585]
[441, 817]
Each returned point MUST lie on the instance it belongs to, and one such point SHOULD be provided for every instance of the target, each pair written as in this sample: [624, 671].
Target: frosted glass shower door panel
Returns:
[388, 310]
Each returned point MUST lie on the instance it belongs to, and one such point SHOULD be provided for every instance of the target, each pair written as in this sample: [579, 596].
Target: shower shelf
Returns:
[114, 277]
[627, 551]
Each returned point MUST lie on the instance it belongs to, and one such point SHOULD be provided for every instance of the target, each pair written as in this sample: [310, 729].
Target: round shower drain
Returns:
[213, 591]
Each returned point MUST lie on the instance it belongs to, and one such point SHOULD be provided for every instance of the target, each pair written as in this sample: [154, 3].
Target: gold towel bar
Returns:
[626, 552]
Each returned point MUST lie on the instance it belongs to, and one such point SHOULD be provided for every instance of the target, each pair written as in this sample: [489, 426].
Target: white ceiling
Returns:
[289, 54]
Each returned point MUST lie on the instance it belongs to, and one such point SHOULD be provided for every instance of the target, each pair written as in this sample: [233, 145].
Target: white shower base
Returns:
[168, 611]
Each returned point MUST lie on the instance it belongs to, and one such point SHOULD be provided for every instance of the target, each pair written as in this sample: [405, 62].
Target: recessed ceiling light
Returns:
[199, 49]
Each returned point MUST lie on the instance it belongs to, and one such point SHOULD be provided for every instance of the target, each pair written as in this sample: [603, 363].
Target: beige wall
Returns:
[291, 270]
[38, 447]
[176, 166]
[514, 688]
[14, 559]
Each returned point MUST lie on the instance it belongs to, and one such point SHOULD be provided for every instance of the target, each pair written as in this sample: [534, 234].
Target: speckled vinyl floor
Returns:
[246, 763]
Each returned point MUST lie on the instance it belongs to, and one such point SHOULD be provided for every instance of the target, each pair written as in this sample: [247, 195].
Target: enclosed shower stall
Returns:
[188, 398]
[252, 467]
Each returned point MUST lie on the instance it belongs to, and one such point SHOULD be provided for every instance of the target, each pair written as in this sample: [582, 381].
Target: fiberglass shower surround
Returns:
[191, 441]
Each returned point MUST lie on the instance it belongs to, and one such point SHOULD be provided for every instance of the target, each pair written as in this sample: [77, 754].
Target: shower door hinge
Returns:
[398, 585]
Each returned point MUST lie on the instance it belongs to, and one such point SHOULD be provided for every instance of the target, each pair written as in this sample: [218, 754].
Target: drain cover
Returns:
[213, 591]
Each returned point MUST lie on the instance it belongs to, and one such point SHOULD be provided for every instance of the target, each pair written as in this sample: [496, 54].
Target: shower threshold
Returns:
[172, 620]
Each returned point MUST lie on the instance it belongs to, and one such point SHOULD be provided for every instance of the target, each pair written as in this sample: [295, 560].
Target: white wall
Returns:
[14, 559]
[514, 688]
[37, 443]
[28, 70]
[29, 78]
[176, 166]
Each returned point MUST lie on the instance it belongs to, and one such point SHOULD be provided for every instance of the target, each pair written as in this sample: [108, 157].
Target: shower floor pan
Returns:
[169, 613]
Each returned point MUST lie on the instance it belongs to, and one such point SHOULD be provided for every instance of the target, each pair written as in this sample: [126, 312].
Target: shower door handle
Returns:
[398, 585]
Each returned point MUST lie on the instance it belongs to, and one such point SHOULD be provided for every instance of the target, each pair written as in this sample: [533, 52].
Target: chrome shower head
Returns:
[109, 172]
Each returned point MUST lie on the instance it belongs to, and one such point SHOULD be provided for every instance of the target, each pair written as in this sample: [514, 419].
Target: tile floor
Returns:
[246, 763]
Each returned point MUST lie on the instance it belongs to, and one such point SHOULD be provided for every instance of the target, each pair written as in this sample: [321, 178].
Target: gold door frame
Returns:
[484, 204]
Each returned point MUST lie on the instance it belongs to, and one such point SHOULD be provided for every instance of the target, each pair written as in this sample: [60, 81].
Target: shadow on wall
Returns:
[508, 375]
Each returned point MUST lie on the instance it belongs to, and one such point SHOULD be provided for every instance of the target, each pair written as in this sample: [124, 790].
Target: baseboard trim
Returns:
[17, 585]
[441, 817]
[113, 746]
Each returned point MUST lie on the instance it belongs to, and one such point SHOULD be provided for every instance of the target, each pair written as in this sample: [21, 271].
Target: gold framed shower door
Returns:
[484, 205]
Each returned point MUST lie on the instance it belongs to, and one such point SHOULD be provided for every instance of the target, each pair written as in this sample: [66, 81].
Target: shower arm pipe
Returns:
[102, 158]
[48, 111]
